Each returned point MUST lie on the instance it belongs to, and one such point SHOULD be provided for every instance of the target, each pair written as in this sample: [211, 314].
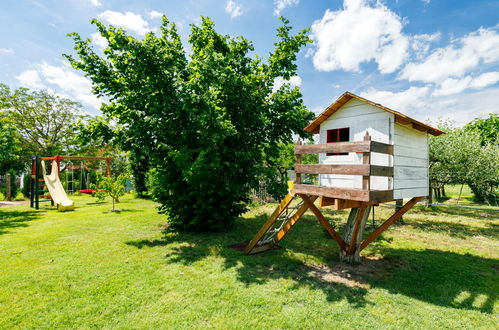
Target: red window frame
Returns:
[337, 135]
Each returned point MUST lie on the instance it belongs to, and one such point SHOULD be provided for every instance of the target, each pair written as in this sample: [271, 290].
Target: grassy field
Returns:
[92, 268]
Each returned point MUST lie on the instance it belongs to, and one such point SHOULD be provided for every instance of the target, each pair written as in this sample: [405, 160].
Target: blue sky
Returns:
[429, 59]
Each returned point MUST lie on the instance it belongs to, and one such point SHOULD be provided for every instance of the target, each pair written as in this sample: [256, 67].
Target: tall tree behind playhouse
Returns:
[211, 124]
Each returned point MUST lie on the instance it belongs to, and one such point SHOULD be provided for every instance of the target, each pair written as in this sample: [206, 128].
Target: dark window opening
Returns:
[338, 135]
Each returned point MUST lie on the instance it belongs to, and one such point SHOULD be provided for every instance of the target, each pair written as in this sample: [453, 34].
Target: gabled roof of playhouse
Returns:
[314, 126]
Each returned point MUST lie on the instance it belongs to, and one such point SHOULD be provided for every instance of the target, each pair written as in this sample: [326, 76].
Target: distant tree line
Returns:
[467, 155]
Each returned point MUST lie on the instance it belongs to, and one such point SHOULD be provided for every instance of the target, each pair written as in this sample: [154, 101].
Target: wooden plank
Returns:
[299, 213]
[297, 163]
[381, 148]
[409, 183]
[409, 193]
[337, 147]
[324, 222]
[419, 127]
[366, 160]
[377, 170]
[280, 208]
[389, 222]
[402, 120]
[353, 242]
[343, 193]
[358, 169]
[380, 195]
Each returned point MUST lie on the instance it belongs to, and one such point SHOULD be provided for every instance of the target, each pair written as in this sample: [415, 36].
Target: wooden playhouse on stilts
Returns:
[368, 154]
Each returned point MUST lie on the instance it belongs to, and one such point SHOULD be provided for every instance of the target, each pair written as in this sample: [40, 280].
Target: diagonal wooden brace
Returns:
[389, 222]
[323, 221]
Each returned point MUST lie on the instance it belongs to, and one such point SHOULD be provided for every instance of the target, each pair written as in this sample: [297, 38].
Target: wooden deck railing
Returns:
[366, 170]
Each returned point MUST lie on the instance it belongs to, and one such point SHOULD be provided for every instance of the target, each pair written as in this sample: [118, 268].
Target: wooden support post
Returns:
[353, 233]
[366, 160]
[398, 205]
[8, 187]
[298, 161]
[108, 167]
[389, 222]
[277, 212]
[309, 202]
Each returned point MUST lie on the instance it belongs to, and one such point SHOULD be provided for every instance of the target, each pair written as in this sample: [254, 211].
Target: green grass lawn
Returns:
[92, 268]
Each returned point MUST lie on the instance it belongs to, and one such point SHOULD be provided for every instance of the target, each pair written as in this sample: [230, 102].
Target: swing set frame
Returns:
[37, 185]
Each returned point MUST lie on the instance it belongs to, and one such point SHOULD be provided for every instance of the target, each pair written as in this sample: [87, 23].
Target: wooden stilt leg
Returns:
[356, 228]
[390, 221]
[323, 221]
[353, 233]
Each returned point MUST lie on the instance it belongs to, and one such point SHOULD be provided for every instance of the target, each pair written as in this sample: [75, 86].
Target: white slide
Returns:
[56, 189]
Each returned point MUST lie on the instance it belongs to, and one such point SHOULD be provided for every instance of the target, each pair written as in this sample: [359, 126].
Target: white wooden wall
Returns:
[359, 117]
[410, 178]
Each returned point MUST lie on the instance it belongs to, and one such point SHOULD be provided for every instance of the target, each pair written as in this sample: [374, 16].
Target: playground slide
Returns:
[56, 189]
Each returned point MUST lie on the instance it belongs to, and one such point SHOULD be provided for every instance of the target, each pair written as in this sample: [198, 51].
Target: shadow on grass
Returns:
[456, 229]
[15, 219]
[441, 278]
[438, 277]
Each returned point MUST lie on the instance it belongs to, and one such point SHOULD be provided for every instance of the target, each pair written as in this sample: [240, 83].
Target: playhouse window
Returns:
[338, 135]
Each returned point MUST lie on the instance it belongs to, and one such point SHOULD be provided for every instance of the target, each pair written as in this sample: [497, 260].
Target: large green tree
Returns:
[460, 157]
[210, 123]
[44, 121]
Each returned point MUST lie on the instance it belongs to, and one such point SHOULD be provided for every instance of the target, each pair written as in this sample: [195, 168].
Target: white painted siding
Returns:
[359, 117]
[410, 162]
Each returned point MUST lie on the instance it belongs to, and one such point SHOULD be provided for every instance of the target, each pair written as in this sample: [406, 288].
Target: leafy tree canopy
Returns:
[211, 122]
[459, 157]
[44, 121]
[488, 128]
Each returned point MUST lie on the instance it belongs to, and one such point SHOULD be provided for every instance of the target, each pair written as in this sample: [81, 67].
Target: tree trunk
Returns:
[347, 236]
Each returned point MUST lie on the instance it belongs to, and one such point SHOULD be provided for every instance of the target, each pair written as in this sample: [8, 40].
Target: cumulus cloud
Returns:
[30, 79]
[6, 51]
[129, 21]
[421, 104]
[233, 9]
[98, 40]
[457, 59]
[154, 14]
[360, 32]
[62, 79]
[454, 86]
[280, 5]
[96, 3]
[411, 98]
[294, 81]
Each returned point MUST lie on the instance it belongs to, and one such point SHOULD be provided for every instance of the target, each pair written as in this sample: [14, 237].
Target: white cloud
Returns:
[154, 14]
[419, 103]
[61, 79]
[457, 59]
[361, 32]
[280, 5]
[96, 3]
[98, 40]
[128, 21]
[233, 9]
[6, 51]
[412, 98]
[454, 86]
[293, 81]
[30, 79]
[420, 43]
